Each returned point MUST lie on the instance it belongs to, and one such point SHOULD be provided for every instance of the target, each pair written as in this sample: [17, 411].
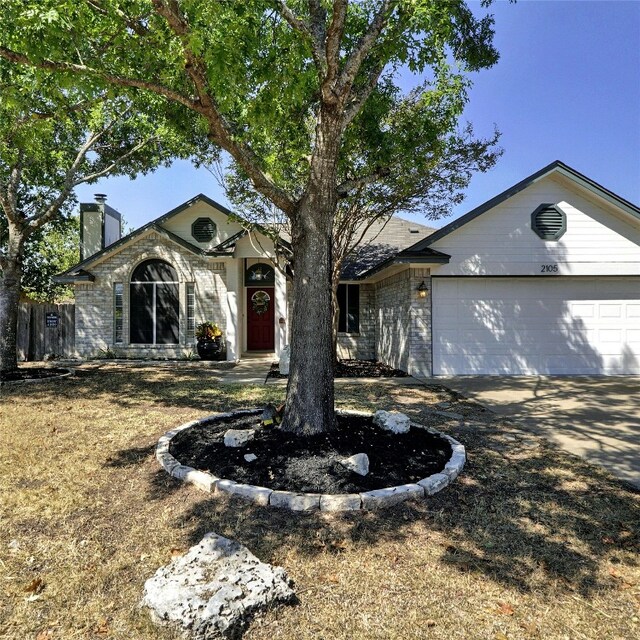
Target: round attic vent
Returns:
[549, 222]
[203, 229]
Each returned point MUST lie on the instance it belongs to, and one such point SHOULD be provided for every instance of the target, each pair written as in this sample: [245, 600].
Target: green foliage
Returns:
[258, 70]
[48, 252]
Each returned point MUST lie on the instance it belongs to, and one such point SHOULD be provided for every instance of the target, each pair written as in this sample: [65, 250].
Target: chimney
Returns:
[100, 226]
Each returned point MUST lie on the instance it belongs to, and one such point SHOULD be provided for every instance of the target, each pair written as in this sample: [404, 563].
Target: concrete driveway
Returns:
[596, 417]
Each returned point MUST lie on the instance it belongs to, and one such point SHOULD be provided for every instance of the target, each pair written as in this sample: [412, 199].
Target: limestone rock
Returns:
[393, 421]
[214, 590]
[238, 437]
[285, 358]
[340, 502]
[359, 463]
[250, 457]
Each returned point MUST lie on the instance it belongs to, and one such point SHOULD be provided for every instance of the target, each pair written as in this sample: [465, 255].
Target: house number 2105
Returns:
[548, 268]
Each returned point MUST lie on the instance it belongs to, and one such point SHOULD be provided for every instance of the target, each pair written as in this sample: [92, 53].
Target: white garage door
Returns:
[558, 325]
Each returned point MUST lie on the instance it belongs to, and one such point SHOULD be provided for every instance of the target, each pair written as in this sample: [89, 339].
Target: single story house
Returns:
[544, 278]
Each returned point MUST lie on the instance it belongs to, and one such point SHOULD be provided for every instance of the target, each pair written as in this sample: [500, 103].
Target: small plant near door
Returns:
[209, 337]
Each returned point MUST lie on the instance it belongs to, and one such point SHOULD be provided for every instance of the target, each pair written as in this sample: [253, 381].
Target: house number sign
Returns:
[548, 268]
[52, 320]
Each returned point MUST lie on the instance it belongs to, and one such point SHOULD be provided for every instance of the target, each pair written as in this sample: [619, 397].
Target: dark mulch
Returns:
[309, 464]
[32, 373]
[355, 369]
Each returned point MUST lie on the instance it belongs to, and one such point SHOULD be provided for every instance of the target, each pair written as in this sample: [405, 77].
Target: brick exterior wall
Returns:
[361, 345]
[419, 360]
[403, 322]
[392, 320]
[395, 324]
[95, 308]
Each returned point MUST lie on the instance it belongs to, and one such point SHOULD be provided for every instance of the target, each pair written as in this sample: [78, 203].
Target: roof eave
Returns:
[78, 278]
[442, 258]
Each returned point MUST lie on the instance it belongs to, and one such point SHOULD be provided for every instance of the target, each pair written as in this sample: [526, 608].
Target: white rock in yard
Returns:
[214, 590]
[250, 457]
[393, 421]
[285, 357]
[238, 437]
[359, 463]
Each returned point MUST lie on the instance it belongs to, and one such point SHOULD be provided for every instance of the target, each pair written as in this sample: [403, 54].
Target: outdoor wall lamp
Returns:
[422, 290]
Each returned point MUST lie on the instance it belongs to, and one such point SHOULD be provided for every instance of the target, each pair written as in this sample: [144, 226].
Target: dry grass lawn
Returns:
[528, 543]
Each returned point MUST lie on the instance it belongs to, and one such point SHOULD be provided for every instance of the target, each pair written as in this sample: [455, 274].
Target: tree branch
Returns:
[364, 46]
[362, 96]
[134, 24]
[310, 32]
[103, 172]
[347, 186]
[334, 40]
[81, 69]
[219, 130]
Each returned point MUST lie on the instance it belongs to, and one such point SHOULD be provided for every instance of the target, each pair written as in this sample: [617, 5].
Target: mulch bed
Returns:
[309, 464]
[355, 369]
[32, 373]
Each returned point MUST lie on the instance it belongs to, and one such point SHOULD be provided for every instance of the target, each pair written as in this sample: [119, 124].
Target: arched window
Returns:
[154, 304]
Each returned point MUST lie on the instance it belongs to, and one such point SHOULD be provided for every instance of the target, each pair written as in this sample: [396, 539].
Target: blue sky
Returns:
[567, 87]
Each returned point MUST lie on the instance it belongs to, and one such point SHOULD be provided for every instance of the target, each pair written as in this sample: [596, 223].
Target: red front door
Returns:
[260, 319]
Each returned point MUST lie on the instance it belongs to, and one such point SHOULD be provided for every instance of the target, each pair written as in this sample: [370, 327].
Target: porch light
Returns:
[422, 290]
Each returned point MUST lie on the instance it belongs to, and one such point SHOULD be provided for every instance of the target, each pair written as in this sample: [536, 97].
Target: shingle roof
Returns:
[383, 240]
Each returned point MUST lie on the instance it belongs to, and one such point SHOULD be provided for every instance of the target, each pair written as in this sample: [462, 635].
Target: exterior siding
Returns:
[598, 241]
[181, 224]
[94, 301]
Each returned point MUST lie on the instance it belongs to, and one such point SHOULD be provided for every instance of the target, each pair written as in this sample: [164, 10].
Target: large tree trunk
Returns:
[309, 407]
[10, 282]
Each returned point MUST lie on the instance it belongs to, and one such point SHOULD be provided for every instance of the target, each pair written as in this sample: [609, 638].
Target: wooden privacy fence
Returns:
[46, 330]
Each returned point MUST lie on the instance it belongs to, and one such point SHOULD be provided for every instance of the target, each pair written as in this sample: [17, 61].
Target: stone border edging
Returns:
[67, 374]
[368, 500]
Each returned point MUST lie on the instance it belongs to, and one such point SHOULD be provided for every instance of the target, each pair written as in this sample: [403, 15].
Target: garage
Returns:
[536, 325]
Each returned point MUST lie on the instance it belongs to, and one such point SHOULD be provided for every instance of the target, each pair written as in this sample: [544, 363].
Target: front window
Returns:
[191, 311]
[154, 304]
[349, 305]
[118, 293]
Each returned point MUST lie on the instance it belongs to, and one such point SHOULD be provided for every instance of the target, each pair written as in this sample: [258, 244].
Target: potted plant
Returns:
[209, 337]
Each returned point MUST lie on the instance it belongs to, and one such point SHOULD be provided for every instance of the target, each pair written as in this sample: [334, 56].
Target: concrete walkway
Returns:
[252, 369]
[596, 417]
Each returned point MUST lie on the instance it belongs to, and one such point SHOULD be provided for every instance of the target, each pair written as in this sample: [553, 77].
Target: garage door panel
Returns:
[527, 326]
[633, 311]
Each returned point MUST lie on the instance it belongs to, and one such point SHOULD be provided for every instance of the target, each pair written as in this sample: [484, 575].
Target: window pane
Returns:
[141, 312]
[118, 292]
[353, 307]
[191, 311]
[342, 306]
[167, 314]
[154, 271]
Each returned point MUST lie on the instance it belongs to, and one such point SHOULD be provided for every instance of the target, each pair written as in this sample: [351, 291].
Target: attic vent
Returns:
[549, 222]
[203, 229]
[413, 230]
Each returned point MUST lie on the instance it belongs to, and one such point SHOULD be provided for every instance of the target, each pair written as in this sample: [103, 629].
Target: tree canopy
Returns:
[293, 90]
[53, 137]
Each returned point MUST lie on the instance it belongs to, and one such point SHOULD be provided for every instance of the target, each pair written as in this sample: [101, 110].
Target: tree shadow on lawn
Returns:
[160, 387]
[523, 514]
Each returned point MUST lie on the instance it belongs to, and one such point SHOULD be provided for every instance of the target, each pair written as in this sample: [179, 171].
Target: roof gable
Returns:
[556, 167]
[164, 226]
